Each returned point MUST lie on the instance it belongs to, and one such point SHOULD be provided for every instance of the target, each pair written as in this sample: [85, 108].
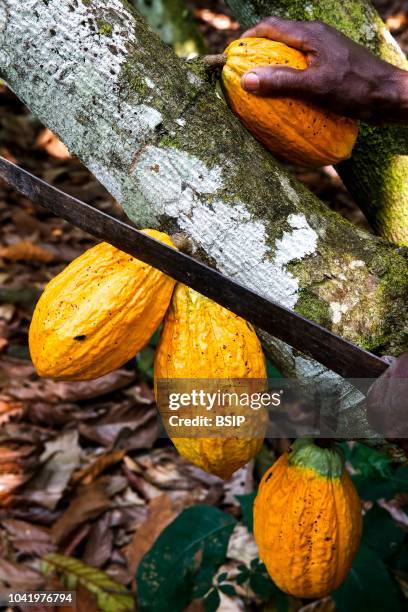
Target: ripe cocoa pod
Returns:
[294, 130]
[202, 340]
[98, 313]
[307, 520]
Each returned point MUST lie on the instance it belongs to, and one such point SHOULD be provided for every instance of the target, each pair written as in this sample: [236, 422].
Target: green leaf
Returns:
[155, 337]
[282, 602]
[381, 532]
[212, 601]
[375, 476]
[242, 577]
[367, 461]
[272, 371]
[247, 503]
[367, 587]
[203, 581]
[145, 361]
[166, 575]
[228, 589]
[374, 487]
[222, 577]
[400, 478]
[261, 583]
[110, 595]
[399, 561]
[263, 461]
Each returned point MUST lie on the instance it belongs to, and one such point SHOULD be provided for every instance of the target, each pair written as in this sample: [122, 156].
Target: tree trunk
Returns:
[168, 148]
[377, 174]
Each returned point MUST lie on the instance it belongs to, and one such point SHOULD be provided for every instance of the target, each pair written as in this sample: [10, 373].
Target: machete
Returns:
[329, 349]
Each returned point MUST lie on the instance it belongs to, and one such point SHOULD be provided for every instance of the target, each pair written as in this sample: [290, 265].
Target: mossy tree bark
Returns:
[157, 135]
[377, 173]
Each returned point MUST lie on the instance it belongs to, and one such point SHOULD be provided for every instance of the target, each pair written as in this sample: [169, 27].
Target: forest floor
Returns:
[83, 468]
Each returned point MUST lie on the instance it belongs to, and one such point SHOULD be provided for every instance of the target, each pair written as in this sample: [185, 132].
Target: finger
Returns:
[268, 80]
[293, 33]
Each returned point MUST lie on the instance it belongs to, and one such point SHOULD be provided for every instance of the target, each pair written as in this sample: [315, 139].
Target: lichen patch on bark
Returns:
[179, 185]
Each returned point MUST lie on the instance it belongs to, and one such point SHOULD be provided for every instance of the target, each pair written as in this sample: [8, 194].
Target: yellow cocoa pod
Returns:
[294, 130]
[202, 340]
[97, 313]
[307, 520]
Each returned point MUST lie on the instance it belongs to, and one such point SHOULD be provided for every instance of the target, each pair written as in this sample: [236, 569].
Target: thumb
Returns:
[269, 80]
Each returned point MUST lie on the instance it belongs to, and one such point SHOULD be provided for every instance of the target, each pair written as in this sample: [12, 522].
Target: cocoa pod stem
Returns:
[215, 61]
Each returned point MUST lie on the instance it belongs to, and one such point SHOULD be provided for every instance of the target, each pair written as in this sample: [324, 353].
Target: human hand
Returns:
[342, 76]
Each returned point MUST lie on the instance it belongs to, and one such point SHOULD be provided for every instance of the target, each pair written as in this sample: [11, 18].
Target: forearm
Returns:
[397, 107]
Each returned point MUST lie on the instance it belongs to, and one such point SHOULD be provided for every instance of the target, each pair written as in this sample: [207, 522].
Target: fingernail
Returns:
[250, 81]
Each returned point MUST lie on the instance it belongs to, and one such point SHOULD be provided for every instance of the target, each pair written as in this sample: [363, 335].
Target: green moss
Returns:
[350, 16]
[313, 307]
[131, 74]
[169, 141]
[391, 292]
[105, 28]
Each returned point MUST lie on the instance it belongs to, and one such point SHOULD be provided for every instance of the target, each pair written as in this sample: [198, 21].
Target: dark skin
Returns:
[387, 402]
[342, 76]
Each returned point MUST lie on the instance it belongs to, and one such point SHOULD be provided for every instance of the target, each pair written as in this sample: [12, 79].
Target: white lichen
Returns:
[149, 82]
[179, 185]
[288, 189]
[338, 310]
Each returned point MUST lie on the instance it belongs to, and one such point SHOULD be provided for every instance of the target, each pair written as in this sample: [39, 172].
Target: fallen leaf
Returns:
[240, 483]
[166, 469]
[32, 388]
[242, 546]
[110, 595]
[60, 458]
[99, 544]
[396, 22]
[396, 510]
[9, 409]
[76, 391]
[8, 484]
[51, 414]
[89, 503]
[197, 605]
[218, 21]
[7, 312]
[19, 577]
[17, 463]
[76, 538]
[322, 605]
[230, 604]
[89, 473]
[28, 538]
[25, 250]
[127, 426]
[161, 513]
[84, 602]
[48, 141]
